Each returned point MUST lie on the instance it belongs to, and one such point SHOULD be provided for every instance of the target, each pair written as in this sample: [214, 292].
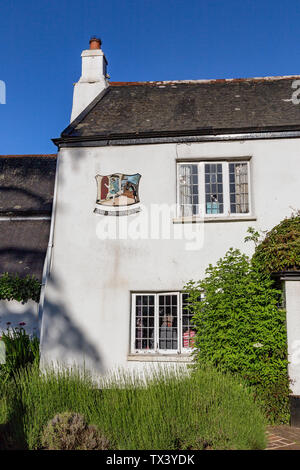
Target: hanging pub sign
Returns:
[117, 194]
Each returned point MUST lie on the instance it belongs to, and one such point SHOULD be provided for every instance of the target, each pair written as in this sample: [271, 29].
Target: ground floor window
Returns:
[161, 323]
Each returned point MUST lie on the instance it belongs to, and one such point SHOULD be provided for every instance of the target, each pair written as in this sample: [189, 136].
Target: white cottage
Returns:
[155, 180]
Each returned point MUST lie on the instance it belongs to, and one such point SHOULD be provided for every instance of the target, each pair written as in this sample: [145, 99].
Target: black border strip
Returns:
[101, 141]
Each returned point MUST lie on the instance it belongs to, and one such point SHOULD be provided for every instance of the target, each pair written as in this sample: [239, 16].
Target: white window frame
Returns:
[156, 350]
[226, 192]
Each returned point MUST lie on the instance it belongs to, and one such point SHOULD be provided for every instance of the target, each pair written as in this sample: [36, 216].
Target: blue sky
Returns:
[41, 42]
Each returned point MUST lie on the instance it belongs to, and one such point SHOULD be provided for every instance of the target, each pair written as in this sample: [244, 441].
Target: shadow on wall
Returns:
[63, 342]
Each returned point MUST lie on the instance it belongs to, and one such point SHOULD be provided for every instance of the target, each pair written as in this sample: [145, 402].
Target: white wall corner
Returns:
[292, 294]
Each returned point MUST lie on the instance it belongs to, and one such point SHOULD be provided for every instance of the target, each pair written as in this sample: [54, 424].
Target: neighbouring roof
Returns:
[26, 195]
[26, 184]
[23, 246]
[197, 107]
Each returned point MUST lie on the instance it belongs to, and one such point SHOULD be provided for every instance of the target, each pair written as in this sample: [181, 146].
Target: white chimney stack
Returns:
[93, 77]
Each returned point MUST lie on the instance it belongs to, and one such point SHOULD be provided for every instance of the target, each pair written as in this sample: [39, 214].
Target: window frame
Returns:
[226, 188]
[181, 350]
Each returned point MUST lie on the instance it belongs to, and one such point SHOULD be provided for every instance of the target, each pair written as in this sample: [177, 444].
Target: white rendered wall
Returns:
[87, 303]
[292, 292]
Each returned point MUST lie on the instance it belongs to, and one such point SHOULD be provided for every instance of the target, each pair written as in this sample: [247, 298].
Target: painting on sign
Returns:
[117, 191]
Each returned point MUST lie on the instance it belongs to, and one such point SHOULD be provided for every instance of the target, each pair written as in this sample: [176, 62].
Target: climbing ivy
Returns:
[13, 287]
[280, 249]
[241, 330]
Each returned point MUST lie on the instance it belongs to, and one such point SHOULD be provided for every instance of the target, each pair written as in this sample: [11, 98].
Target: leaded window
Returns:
[213, 189]
[161, 323]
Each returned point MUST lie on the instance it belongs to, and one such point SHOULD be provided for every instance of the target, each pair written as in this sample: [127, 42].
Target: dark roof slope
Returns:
[23, 246]
[26, 194]
[26, 184]
[194, 107]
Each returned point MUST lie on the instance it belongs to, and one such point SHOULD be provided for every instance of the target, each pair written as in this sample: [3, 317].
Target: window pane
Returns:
[168, 322]
[238, 188]
[213, 188]
[144, 322]
[188, 329]
[188, 190]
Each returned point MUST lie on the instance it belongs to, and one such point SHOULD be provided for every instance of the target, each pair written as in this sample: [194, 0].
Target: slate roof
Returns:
[26, 193]
[138, 109]
[26, 184]
[23, 246]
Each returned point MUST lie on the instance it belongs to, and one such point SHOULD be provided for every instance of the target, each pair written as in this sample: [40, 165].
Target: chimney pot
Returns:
[95, 43]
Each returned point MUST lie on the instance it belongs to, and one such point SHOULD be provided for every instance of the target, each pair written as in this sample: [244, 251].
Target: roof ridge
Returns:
[211, 80]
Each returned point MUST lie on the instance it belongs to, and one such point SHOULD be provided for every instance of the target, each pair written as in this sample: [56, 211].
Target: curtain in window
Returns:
[239, 199]
[188, 190]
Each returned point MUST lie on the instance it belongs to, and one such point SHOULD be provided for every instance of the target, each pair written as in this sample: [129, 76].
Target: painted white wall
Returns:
[87, 298]
[292, 293]
[14, 312]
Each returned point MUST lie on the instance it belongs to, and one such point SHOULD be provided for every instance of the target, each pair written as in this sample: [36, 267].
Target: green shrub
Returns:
[280, 249]
[202, 409]
[21, 349]
[13, 287]
[70, 431]
[240, 329]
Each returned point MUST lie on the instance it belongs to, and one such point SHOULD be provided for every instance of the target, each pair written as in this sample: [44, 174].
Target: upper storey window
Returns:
[213, 189]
